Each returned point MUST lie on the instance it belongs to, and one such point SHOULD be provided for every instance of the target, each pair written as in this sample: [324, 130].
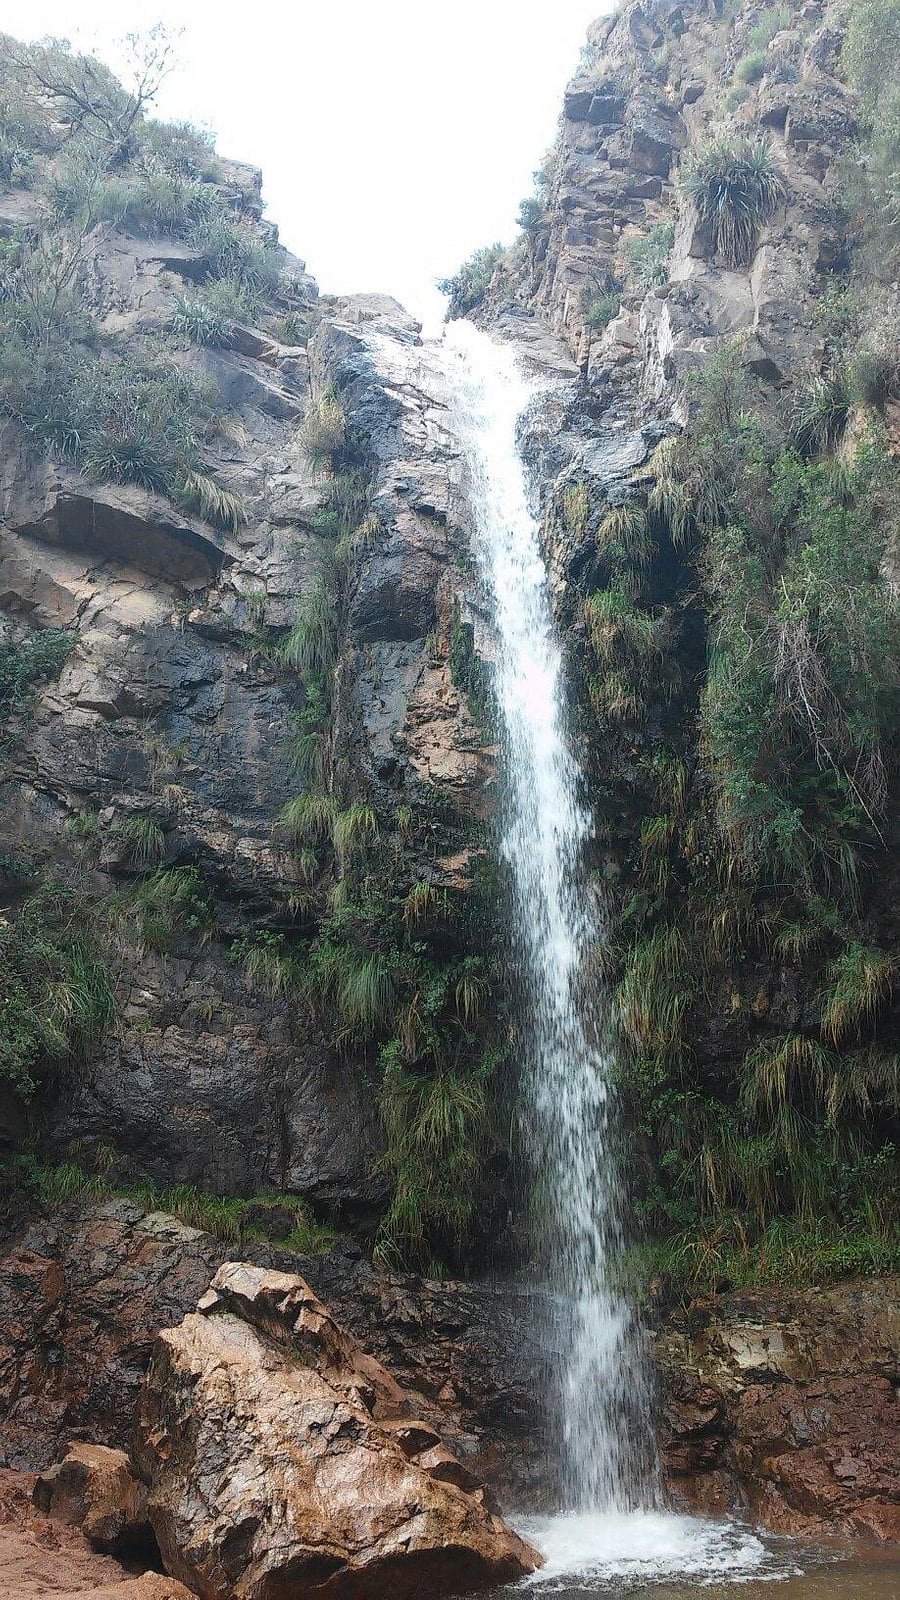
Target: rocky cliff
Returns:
[254, 937]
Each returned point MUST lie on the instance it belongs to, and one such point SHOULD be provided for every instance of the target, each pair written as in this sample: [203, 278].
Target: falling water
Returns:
[607, 1455]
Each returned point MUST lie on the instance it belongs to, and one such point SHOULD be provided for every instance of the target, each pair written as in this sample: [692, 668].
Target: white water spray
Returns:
[607, 1451]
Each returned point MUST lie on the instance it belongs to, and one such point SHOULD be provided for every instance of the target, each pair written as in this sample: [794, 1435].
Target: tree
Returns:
[88, 96]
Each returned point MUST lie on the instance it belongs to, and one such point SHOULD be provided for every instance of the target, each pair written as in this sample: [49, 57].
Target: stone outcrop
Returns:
[776, 1404]
[650, 86]
[785, 1404]
[41, 1556]
[84, 1293]
[94, 1489]
[279, 1455]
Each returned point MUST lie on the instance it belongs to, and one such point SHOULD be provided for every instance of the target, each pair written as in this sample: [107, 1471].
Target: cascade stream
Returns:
[607, 1456]
[611, 1524]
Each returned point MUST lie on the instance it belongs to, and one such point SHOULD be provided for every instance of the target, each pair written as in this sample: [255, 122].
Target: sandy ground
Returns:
[42, 1558]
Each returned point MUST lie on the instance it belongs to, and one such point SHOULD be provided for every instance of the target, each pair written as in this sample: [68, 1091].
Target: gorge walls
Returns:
[255, 936]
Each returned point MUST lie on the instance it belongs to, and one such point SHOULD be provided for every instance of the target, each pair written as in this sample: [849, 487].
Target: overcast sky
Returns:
[395, 136]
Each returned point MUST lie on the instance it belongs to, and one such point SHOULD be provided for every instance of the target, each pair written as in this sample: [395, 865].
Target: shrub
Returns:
[204, 497]
[871, 47]
[751, 67]
[735, 97]
[197, 319]
[819, 413]
[600, 312]
[772, 22]
[136, 421]
[467, 288]
[268, 964]
[648, 255]
[624, 539]
[157, 201]
[531, 214]
[180, 147]
[576, 506]
[168, 905]
[15, 160]
[435, 1125]
[323, 428]
[311, 646]
[231, 248]
[34, 658]
[860, 980]
[56, 996]
[145, 840]
[735, 188]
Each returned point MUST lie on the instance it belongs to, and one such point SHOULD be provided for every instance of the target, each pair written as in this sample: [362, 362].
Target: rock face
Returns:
[42, 1556]
[786, 1404]
[278, 1455]
[649, 86]
[83, 1295]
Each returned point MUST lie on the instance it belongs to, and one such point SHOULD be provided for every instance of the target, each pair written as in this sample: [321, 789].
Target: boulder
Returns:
[279, 1454]
[95, 1489]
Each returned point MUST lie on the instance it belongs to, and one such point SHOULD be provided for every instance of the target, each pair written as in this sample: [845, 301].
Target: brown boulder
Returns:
[271, 1444]
[94, 1489]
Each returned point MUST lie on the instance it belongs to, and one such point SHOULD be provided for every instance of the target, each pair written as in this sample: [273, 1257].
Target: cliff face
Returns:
[711, 238]
[254, 927]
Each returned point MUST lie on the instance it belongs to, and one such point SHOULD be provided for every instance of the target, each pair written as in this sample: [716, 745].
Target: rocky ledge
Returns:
[272, 1456]
[785, 1403]
[781, 1405]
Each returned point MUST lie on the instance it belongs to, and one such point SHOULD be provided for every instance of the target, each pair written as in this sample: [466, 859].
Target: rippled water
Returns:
[668, 1557]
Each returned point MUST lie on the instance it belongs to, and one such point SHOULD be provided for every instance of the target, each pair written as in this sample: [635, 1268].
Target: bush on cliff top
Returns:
[469, 285]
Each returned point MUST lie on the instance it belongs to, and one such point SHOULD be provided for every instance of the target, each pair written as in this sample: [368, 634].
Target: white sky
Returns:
[395, 136]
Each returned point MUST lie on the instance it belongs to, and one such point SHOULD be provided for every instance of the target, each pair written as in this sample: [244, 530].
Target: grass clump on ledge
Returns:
[601, 311]
[789, 1253]
[234, 1219]
[734, 187]
[57, 992]
[648, 255]
[751, 67]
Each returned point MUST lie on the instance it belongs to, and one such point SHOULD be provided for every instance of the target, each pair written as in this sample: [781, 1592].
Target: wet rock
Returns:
[786, 1403]
[84, 1293]
[259, 1436]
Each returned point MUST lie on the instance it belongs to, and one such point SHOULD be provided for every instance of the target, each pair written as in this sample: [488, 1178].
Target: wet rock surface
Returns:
[785, 1404]
[278, 1455]
[83, 1295]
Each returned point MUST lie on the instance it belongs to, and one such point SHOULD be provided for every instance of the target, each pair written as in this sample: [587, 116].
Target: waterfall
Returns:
[570, 1129]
